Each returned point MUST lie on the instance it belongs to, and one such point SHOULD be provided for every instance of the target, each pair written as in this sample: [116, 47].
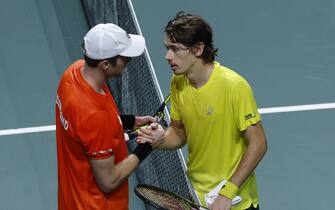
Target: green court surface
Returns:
[285, 49]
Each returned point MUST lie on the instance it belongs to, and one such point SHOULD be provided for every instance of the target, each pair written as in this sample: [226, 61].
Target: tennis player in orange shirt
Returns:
[93, 161]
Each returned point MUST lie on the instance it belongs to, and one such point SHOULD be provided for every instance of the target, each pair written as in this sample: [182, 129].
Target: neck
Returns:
[94, 78]
[200, 74]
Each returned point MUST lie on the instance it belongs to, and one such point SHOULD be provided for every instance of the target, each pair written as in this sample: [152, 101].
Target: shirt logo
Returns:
[210, 110]
[62, 119]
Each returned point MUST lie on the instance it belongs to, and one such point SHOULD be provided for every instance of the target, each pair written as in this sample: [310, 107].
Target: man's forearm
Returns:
[123, 170]
[249, 161]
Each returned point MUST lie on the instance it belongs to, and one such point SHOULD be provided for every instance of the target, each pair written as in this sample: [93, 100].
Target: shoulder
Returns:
[77, 64]
[227, 73]
[70, 72]
[229, 77]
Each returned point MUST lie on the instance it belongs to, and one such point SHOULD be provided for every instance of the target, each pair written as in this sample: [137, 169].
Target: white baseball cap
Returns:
[109, 40]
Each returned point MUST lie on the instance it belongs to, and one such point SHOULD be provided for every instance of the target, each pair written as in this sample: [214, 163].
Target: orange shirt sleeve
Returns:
[99, 134]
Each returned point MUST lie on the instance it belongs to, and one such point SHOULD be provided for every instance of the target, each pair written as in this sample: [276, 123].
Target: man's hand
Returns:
[152, 134]
[142, 120]
[221, 203]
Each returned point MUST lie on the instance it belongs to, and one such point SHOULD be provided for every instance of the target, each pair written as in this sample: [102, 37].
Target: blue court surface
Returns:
[285, 49]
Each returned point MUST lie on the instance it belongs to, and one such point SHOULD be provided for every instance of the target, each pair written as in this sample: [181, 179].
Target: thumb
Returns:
[154, 126]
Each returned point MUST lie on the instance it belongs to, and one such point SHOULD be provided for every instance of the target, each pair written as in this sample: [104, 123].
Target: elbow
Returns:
[260, 148]
[107, 186]
[264, 147]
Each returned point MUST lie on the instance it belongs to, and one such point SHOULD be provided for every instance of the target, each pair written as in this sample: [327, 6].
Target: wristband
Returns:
[128, 121]
[229, 190]
[142, 151]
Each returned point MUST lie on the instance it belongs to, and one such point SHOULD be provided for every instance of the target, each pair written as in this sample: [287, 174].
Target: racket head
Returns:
[163, 199]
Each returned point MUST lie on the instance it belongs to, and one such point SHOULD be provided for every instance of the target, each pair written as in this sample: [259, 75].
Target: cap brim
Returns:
[136, 47]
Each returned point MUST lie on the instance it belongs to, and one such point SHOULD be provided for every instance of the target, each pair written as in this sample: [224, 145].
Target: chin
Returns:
[176, 72]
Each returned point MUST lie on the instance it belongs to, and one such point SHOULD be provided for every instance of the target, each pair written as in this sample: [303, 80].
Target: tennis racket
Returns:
[163, 199]
[159, 115]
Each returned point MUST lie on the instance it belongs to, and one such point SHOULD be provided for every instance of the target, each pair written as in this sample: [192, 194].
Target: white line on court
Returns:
[279, 109]
[297, 108]
[37, 129]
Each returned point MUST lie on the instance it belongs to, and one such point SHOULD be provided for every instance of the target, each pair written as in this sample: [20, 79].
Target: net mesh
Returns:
[137, 92]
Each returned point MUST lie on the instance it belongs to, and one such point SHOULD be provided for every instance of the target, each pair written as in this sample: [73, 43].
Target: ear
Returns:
[104, 65]
[199, 49]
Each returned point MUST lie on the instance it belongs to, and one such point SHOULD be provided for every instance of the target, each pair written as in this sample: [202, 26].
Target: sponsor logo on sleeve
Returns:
[249, 116]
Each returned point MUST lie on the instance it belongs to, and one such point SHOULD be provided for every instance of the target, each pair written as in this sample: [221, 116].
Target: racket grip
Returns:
[132, 134]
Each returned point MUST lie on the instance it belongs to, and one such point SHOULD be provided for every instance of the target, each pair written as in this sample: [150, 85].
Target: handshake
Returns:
[148, 137]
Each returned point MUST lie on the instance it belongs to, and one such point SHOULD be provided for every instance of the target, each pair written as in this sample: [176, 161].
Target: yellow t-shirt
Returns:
[214, 116]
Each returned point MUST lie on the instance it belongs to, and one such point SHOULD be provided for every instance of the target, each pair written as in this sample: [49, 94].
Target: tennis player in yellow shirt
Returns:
[213, 110]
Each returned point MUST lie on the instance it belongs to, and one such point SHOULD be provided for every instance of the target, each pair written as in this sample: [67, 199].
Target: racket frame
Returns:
[161, 190]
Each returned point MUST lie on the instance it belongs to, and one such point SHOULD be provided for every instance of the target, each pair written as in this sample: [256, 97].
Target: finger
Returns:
[152, 119]
[154, 126]
[142, 140]
[145, 134]
[145, 131]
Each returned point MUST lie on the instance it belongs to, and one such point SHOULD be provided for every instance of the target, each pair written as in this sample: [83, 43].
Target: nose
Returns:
[168, 55]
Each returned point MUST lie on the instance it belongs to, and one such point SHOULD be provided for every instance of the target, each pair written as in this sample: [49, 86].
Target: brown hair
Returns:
[190, 30]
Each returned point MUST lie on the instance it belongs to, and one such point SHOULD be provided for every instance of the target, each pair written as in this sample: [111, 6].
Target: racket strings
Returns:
[164, 200]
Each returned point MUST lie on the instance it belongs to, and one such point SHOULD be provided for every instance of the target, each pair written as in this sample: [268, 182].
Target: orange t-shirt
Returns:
[88, 126]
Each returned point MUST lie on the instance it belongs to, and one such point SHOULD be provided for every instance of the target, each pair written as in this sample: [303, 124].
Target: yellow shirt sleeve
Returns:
[244, 106]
